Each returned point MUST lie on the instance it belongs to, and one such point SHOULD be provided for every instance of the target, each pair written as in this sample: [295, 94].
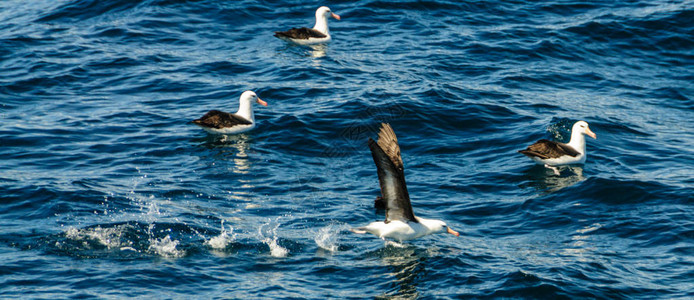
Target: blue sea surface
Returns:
[108, 191]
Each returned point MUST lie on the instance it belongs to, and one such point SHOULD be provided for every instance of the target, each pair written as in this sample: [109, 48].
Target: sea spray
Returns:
[326, 238]
[268, 234]
[166, 247]
[222, 240]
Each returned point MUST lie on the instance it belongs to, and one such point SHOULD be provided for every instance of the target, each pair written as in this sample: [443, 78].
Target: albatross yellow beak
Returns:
[261, 102]
[453, 232]
[335, 16]
[591, 133]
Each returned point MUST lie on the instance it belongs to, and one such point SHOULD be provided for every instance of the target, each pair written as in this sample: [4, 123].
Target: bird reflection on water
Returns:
[317, 51]
[234, 148]
[544, 180]
[231, 155]
[405, 264]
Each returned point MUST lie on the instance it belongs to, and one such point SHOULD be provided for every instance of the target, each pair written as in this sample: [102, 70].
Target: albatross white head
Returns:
[578, 140]
[436, 226]
[246, 105]
[322, 14]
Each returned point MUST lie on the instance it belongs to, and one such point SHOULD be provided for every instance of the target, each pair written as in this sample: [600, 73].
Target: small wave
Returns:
[72, 11]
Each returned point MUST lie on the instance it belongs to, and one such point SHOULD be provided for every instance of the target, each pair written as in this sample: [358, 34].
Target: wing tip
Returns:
[386, 129]
[526, 152]
[388, 142]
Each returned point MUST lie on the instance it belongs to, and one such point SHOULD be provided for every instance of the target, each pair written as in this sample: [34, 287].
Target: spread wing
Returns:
[391, 176]
[302, 33]
[546, 149]
[219, 119]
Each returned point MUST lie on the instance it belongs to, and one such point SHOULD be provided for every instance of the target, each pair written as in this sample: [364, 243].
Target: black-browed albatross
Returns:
[401, 224]
[219, 122]
[550, 153]
[308, 36]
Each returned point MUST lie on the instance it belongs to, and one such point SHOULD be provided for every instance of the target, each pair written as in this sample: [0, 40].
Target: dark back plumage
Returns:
[391, 175]
[219, 119]
[546, 149]
[302, 33]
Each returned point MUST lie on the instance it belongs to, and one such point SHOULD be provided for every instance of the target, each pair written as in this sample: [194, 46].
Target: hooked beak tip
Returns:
[453, 232]
[591, 134]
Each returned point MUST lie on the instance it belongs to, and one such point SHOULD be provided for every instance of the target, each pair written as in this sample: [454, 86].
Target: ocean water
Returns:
[107, 190]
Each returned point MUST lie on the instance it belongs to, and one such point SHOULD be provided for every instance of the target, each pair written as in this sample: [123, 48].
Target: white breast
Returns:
[230, 130]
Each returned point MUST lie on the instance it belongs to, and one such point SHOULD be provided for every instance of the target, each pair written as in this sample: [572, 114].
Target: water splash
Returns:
[223, 239]
[560, 129]
[153, 208]
[275, 249]
[269, 237]
[166, 247]
[326, 238]
[112, 238]
[394, 244]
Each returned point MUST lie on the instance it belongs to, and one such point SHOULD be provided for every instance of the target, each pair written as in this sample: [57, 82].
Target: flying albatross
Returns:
[401, 224]
[308, 36]
[219, 122]
[551, 154]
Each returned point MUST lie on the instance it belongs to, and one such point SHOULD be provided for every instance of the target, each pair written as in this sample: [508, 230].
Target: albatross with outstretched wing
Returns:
[400, 224]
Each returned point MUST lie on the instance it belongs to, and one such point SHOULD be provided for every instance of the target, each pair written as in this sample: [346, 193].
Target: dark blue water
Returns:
[106, 190]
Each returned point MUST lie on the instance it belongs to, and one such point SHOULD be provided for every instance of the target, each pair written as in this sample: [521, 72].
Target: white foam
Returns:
[326, 238]
[275, 249]
[394, 244]
[109, 237]
[223, 239]
[165, 247]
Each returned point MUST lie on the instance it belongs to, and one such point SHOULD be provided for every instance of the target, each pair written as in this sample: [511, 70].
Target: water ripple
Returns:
[109, 191]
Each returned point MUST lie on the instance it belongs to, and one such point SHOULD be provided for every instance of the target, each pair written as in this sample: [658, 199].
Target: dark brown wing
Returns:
[219, 119]
[546, 149]
[391, 176]
[302, 33]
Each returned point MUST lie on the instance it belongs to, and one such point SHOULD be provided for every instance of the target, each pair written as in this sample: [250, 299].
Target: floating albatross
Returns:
[401, 224]
[550, 154]
[219, 122]
[307, 36]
